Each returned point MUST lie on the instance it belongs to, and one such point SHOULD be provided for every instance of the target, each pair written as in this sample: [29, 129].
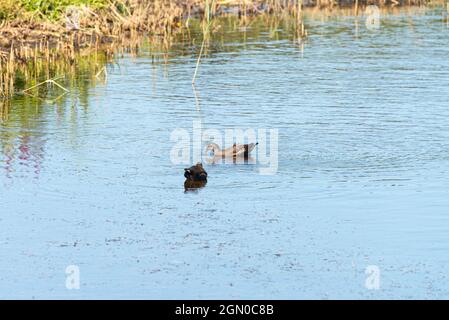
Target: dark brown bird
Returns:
[195, 173]
[196, 177]
[191, 186]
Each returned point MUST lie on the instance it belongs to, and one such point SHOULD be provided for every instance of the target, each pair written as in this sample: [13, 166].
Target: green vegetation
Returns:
[53, 9]
[48, 9]
[32, 31]
[8, 9]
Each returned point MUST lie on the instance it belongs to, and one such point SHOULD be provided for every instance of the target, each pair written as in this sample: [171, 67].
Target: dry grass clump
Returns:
[31, 36]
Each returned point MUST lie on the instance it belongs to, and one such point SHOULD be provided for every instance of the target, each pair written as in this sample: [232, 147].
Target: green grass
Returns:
[8, 9]
[50, 9]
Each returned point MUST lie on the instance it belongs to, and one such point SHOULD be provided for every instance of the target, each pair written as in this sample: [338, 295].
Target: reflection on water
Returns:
[23, 122]
[362, 179]
[193, 186]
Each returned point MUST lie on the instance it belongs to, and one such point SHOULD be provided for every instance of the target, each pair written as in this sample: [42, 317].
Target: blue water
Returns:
[362, 176]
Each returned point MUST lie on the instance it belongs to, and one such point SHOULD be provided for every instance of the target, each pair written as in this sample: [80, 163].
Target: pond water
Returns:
[361, 181]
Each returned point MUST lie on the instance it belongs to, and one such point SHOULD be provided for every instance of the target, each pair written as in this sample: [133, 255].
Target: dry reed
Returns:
[28, 43]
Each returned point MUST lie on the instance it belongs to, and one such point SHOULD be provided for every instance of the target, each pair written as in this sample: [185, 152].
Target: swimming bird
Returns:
[196, 173]
[191, 185]
[196, 177]
[234, 151]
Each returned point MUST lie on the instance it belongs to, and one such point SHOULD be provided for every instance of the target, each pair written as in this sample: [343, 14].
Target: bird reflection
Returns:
[193, 186]
[231, 160]
[196, 178]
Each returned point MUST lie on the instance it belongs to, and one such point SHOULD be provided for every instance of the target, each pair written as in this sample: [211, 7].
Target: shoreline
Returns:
[80, 23]
[27, 39]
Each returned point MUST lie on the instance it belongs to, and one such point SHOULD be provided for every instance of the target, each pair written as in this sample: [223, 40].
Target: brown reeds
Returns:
[4, 110]
[24, 42]
[29, 42]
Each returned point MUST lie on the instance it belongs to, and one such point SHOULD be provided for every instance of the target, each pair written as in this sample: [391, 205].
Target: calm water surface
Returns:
[362, 177]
